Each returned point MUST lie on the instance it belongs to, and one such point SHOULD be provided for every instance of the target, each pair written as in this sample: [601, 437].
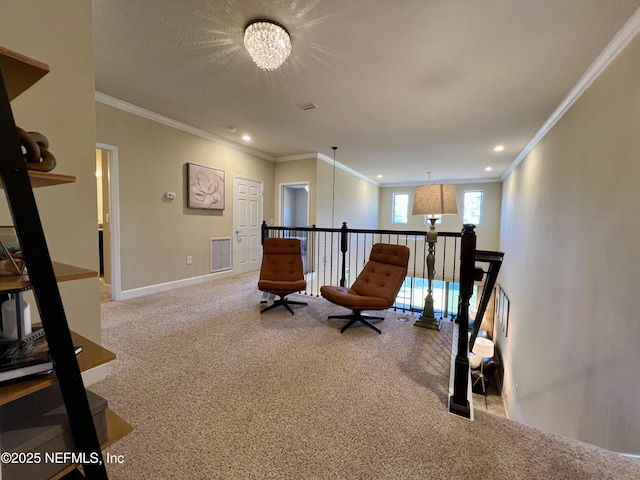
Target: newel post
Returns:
[458, 403]
[344, 241]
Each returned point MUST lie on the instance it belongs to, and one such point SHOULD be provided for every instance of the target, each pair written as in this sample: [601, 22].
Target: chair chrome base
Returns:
[357, 317]
[284, 301]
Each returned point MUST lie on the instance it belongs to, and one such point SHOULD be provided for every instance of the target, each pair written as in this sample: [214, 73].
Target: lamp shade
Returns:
[483, 347]
[435, 200]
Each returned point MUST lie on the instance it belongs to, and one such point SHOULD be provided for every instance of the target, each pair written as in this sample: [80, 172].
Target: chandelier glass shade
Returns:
[268, 44]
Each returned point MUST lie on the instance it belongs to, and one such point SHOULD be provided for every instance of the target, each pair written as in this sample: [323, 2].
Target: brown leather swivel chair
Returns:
[281, 272]
[376, 288]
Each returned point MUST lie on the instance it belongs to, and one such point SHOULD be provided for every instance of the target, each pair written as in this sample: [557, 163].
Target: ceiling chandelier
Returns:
[268, 43]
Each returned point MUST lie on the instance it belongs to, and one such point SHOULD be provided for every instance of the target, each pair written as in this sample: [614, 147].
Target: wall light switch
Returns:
[170, 195]
[189, 260]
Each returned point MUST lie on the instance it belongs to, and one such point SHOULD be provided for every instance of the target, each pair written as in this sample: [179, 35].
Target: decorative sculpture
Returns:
[37, 156]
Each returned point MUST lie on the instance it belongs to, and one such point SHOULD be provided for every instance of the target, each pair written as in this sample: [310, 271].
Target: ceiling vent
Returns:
[307, 106]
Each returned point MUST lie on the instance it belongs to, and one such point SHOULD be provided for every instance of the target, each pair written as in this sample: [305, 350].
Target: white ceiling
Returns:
[402, 87]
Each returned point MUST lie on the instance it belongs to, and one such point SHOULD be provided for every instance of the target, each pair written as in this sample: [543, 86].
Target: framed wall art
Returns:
[205, 187]
[502, 310]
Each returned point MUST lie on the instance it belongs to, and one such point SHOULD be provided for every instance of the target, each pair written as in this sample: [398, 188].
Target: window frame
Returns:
[464, 206]
[393, 208]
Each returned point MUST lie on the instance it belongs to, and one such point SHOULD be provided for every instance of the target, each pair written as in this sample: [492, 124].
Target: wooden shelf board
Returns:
[92, 355]
[46, 179]
[63, 272]
[19, 71]
[117, 427]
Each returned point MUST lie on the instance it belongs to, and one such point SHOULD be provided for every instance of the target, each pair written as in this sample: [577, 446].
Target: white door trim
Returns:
[281, 202]
[114, 219]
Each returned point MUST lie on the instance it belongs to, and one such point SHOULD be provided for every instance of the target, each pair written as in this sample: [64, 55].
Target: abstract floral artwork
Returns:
[206, 187]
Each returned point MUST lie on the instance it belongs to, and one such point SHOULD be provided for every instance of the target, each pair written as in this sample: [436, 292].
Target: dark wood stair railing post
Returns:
[458, 402]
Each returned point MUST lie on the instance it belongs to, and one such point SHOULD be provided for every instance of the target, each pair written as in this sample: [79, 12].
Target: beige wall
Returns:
[296, 171]
[570, 235]
[156, 234]
[61, 107]
[488, 232]
[356, 200]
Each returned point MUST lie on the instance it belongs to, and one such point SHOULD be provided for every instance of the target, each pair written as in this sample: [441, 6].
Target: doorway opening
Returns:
[107, 220]
[294, 212]
[294, 202]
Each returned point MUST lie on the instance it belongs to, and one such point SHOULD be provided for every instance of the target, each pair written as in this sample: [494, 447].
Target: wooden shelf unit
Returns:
[92, 355]
[18, 74]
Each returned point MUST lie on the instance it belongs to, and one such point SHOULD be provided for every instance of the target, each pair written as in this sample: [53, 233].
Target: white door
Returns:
[247, 217]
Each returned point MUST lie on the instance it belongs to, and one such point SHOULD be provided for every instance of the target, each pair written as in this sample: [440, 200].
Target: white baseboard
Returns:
[632, 456]
[94, 375]
[164, 287]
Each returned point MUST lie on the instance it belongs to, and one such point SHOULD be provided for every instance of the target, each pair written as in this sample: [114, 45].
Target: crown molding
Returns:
[466, 181]
[301, 156]
[156, 117]
[619, 42]
[330, 161]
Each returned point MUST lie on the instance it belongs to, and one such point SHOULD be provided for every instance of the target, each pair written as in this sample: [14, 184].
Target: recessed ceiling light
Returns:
[246, 138]
[498, 148]
[488, 169]
[378, 176]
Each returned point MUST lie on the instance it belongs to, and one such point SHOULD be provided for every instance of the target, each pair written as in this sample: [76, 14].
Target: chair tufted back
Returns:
[384, 272]
[282, 260]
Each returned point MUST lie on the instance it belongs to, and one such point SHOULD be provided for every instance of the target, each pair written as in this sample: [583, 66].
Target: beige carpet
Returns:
[215, 390]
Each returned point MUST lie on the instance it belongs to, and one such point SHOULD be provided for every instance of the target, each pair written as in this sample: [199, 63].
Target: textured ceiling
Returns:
[402, 87]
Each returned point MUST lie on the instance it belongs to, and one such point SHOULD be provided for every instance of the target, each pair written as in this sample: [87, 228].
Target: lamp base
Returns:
[431, 323]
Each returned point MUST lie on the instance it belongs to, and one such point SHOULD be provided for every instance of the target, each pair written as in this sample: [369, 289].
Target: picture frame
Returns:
[502, 310]
[205, 187]
[11, 261]
[505, 313]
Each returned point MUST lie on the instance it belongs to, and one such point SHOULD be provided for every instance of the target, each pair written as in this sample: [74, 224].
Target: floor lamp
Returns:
[433, 200]
[484, 348]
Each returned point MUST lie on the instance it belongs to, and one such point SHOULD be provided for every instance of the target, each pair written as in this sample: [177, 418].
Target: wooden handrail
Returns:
[468, 256]
[494, 259]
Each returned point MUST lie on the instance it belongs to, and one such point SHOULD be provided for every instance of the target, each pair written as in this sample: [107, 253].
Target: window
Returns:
[400, 207]
[428, 222]
[472, 210]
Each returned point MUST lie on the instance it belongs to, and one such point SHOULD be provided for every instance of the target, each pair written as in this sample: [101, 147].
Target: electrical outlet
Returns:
[189, 260]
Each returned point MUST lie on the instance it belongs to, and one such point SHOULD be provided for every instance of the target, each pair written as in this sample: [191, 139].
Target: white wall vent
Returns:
[307, 106]
[220, 254]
